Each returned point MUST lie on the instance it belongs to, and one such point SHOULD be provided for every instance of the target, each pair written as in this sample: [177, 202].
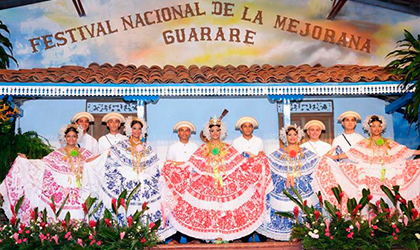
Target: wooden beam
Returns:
[336, 7]
[396, 105]
[79, 7]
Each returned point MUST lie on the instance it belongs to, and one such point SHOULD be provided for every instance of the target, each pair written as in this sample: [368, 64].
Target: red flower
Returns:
[114, 204]
[338, 215]
[144, 205]
[356, 209]
[92, 223]
[33, 214]
[122, 203]
[85, 210]
[370, 197]
[375, 227]
[13, 220]
[64, 223]
[130, 220]
[52, 207]
[320, 199]
[13, 210]
[296, 211]
[99, 243]
[292, 153]
[152, 225]
[341, 194]
[108, 222]
[403, 201]
[414, 213]
[317, 213]
[305, 203]
[143, 240]
[397, 197]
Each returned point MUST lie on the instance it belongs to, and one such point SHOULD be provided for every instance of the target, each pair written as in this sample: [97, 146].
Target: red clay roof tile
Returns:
[119, 73]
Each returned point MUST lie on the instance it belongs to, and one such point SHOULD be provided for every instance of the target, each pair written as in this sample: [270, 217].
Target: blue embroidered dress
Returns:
[108, 176]
[287, 171]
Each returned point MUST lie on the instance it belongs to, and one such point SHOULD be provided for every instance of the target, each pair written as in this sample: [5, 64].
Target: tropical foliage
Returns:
[46, 232]
[6, 53]
[406, 64]
[356, 224]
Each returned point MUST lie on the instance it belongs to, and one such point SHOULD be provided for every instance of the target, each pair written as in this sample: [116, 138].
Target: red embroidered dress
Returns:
[217, 193]
[371, 166]
[57, 174]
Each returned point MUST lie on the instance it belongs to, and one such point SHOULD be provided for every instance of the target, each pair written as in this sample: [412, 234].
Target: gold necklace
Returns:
[136, 156]
[215, 155]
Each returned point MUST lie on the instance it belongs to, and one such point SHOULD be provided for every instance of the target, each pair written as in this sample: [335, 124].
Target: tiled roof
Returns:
[266, 73]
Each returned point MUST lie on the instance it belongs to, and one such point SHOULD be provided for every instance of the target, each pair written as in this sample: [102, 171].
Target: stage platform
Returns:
[231, 246]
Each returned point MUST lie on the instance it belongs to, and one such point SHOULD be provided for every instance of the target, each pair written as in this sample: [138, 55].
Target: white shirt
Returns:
[181, 152]
[319, 147]
[253, 145]
[88, 142]
[342, 142]
[106, 141]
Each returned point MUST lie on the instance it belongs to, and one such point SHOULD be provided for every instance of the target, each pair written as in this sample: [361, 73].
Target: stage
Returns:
[243, 246]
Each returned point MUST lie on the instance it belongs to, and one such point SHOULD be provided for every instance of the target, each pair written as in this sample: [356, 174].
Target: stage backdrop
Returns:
[276, 32]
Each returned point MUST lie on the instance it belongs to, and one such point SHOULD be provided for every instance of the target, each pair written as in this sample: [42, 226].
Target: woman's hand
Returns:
[22, 155]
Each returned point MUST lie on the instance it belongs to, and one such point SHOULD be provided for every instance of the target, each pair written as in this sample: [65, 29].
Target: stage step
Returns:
[237, 246]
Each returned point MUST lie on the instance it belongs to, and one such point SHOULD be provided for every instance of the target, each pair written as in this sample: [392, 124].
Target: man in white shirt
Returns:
[83, 120]
[183, 149]
[314, 129]
[349, 138]
[113, 122]
[248, 144]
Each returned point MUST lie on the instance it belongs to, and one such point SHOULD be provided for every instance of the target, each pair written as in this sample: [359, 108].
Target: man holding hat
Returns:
[248, 144]
[314, 129]
[344, 142]
[83, 120]
[183, 149]
[113, 122]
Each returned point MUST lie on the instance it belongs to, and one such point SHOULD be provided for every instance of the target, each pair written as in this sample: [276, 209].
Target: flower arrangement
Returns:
[357, 224]
[44, 232]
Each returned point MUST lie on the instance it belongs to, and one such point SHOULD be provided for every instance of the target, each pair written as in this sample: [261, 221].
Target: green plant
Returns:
[6, 47]
[29, 143]
[357, 224]
[407, 65]
[49, 232]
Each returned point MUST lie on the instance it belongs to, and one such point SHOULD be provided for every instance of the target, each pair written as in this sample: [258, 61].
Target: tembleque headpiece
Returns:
[128, 129]
[283, 133]
[214, 121]
[62, 132]
[368, 122]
